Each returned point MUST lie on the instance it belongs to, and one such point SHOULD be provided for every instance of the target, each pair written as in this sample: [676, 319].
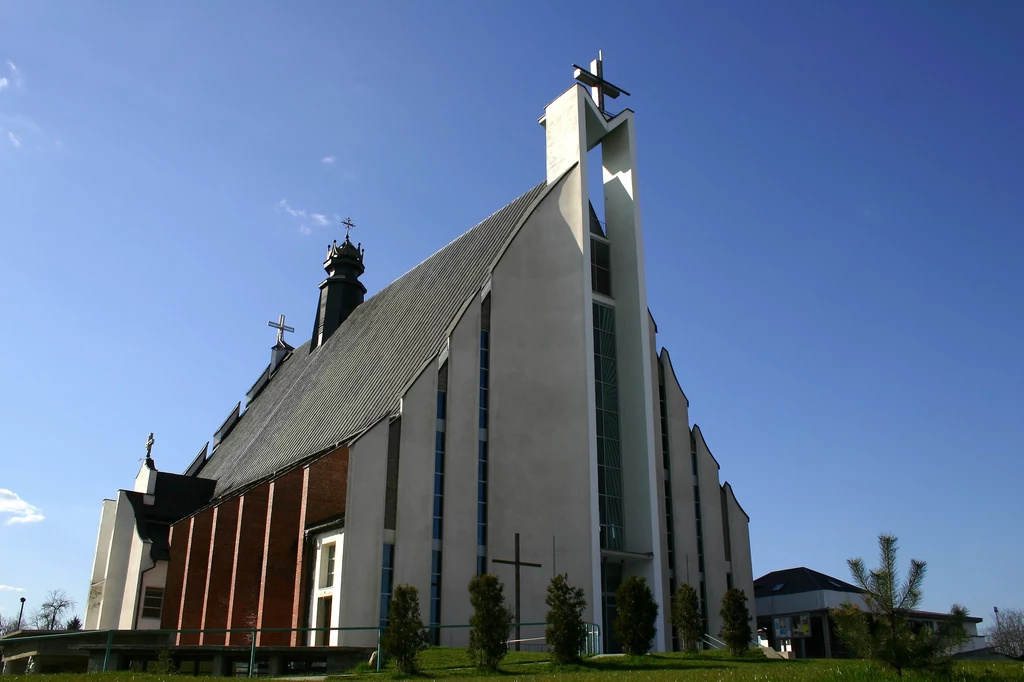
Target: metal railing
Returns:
[592, 643]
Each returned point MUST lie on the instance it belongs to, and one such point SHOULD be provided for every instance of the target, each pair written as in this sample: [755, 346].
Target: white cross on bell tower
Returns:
[599, 87]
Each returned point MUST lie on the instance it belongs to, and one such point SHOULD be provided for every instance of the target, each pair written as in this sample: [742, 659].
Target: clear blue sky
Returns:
[832, 201]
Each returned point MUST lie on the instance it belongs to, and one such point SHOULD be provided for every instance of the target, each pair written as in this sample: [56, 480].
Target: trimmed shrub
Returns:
[404, 636]
[636, 616]
[566, 634]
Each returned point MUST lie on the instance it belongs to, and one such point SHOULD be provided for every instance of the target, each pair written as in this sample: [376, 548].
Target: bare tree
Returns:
[50, 615]
[1007, 637]
[8, 624]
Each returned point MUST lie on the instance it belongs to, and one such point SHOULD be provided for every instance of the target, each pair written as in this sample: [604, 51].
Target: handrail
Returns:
[593, 636]
[713, 642]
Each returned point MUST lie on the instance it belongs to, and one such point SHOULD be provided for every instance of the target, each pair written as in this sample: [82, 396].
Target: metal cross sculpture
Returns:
[281, 328]
[517, 563]
[149, 445]
[349, 226]
[599, 87]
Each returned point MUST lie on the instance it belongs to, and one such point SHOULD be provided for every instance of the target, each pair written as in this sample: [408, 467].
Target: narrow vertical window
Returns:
[600, 266]
[387, 577]
[700, 541]
[609, 457]
[484, 419]
[328, 580]
[666, 463]
[438, 510]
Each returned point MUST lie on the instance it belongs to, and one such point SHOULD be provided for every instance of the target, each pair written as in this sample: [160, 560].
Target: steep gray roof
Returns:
[316, 400]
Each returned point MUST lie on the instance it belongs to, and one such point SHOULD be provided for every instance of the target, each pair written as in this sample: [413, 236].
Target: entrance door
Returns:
[323, 620]
[611, 578]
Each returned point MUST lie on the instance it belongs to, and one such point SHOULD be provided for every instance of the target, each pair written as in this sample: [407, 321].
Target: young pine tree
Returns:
[686, 617]
[404, 636]
[735, 632]
[636, 616]
[491, 621]
[566, 634]
[883, 632]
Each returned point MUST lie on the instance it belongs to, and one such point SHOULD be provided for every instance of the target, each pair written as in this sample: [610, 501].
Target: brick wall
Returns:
[325, 485]
[175, 575]
[193, 590]
[243, 563]
[277, 589]
[247, 570]
[218, 578]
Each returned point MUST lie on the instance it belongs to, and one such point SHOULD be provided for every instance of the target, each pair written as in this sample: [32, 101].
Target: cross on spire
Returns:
[281, 328]
[599, 87]
[349, 226]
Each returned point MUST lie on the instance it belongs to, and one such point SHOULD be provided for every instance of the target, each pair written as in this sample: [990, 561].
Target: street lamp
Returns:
[21, 612]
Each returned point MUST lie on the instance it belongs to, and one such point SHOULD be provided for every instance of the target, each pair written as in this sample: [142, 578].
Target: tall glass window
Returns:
[436, 559]
[600, 266]
[481, 478]
[387, 578]
[609, 457]
[666, 461]
[700, 544]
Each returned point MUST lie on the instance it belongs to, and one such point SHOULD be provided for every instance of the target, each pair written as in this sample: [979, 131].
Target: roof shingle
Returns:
[316, 400]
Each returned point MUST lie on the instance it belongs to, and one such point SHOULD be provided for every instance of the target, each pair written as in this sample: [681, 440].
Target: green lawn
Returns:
[444, 663]
[441, 663]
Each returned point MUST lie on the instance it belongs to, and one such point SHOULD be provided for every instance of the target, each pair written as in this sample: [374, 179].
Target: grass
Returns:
[445, 663]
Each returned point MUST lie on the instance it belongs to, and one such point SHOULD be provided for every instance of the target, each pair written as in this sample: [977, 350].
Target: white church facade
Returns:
[509, 384]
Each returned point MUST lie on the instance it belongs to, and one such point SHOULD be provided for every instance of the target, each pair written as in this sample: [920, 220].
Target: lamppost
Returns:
[21, 612]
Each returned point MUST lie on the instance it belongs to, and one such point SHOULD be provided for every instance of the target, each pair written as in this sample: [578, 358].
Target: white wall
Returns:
[319, 577]
[715, 566]
[364, 523]
[154, 577]
[99, 565]
[665, 612]
[460, 478]
[118, 557]
[542, 474]
[805, 601]
[739, 533]
[414, 521]
[138, 561]
[683, 516]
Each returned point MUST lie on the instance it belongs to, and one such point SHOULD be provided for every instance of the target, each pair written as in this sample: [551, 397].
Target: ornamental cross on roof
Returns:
[349, 226]
[599, 87]
[281, 328]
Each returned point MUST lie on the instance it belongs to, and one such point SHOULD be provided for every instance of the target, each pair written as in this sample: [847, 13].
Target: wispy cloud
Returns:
[8, 588]
[19, 510]
[15, 73]
[318, 219]
[3, 83]
[329, 159]
[305, 229]
[15, 140]
[296, 212]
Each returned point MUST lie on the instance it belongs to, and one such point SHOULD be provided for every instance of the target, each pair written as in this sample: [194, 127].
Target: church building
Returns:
[509, 386]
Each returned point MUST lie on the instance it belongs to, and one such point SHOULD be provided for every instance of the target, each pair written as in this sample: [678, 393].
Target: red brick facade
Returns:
[218, 578]
[242, 563]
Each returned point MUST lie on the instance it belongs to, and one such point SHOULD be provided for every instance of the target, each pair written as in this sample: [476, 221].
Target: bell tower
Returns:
[341, 292]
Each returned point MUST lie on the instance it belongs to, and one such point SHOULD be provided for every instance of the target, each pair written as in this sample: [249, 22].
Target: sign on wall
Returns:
[802, 626]
[783, 627]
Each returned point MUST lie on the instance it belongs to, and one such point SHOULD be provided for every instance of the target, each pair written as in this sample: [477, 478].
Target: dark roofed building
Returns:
[792, 606]
[510, 385]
